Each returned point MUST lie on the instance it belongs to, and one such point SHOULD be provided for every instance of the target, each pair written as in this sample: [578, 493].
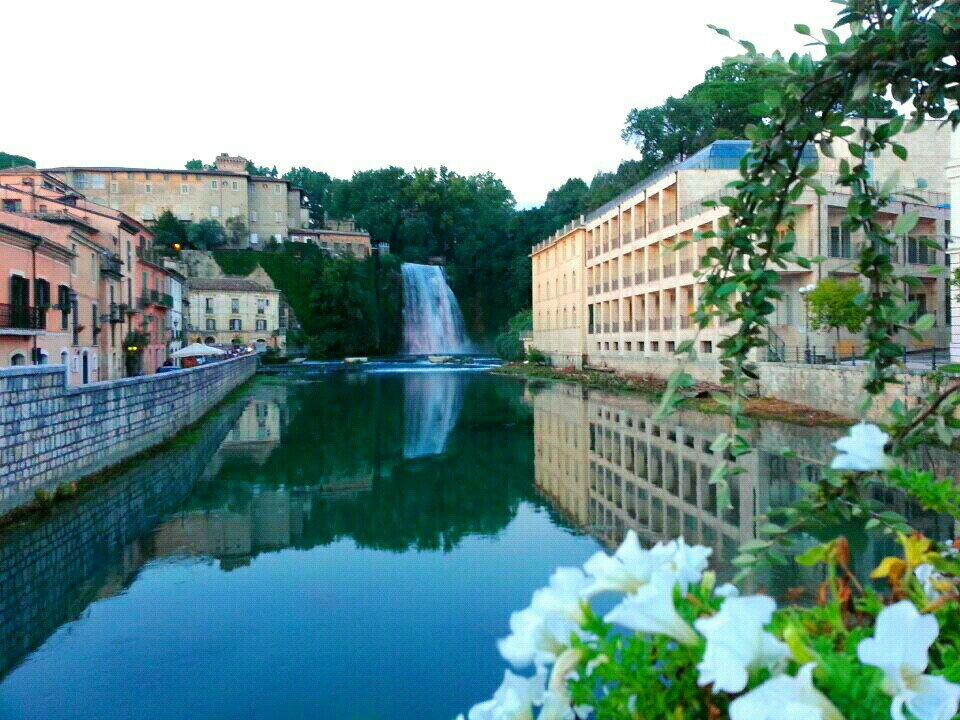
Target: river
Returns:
[351, 547]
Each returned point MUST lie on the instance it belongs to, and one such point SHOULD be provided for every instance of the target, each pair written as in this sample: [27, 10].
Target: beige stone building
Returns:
[268, 207]
[225, 309]
[336, 242]
[640, 293]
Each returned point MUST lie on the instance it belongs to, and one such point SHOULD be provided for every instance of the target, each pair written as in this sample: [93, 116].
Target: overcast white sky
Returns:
[535, 92]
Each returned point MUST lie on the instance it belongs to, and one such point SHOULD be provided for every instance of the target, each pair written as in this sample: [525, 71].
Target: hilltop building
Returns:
[609, 288]
[236, 311]
[269, 207]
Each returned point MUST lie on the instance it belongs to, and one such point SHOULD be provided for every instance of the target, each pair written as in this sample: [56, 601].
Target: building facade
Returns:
[336, 242]
[267, 207]
[640, 292]
[88, 315]
[235, 311]
[953, 248]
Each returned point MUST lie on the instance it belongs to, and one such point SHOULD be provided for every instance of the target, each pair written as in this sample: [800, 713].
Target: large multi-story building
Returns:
[235, 311]
[629, 294]
[268, 207]
[80, 317]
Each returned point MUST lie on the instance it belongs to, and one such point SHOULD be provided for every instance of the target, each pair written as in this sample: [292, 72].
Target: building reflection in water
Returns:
[432, 402]
[605, 463]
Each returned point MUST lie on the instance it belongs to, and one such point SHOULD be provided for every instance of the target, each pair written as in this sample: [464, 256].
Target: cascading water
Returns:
[432, 321]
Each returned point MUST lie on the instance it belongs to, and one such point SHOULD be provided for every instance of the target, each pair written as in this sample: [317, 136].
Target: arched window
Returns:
[18, 359]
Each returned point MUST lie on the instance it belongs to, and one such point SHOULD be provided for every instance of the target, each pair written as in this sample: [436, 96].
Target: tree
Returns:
[832, 305]
[319, 189]
[261, 170]
[236, 232]
[205, 235]
[8, 160]
[168, 231]
[198, 165]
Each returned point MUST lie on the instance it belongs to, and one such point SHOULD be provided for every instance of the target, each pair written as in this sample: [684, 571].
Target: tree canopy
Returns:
[8, 160]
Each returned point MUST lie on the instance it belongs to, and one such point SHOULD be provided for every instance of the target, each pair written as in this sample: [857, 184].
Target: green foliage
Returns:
[319, 188]
[535, 356]
[235, 232]
[8, 160]
[168, 231]
[833, 306]
[261, 171]
[509, 343]
[198, 165]
[205, 234]
[345, 306]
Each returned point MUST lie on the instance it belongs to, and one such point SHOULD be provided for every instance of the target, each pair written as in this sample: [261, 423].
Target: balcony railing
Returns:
[668, 270]
[653, 225]
[639, 324]
[686, 265]
[653, 323]
[589, 289]
[22, 317]
[615, 242]
[614, 284]
[668, 323]
[627, 280]
[606, 286]
[605, 246]
[615, 327]
[670, 218]
[628, 325]
[166, 300]
[684, 322]
[606, 327]
[111, 265]
[653, 274]
[637, 233]
[638, 278]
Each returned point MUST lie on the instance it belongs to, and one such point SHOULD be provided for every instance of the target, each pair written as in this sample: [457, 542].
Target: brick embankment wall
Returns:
[51, 433]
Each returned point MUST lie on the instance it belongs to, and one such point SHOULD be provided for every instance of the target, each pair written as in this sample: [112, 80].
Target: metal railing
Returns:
[668, 323]
[668, 270]
[627, 325]
[685, 322]
[686, 265]
[638, 278]
[653, 323]
[615, 327]
[670, 218]
[615, 284]
[23, 317]
[627, 280]
[638, 233]
[653, 226]
[653, 274]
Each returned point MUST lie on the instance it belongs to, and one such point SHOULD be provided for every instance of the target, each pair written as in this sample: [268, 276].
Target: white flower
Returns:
[556, 700]
[513, 700]
[737, 643]
[862, 449]
[542, 631]
[651, 610]
[900, 645]
[626, 570]
[686, 562]
[727, 590]
[785, 698]
[536, 638]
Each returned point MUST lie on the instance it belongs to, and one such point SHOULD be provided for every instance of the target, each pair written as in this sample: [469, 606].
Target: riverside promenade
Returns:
[51, 433]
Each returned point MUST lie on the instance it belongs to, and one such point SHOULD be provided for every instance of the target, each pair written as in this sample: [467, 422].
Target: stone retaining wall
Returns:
[51, 433]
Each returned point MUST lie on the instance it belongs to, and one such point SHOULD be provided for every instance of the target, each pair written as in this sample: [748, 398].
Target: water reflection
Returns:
[609, 467]
[432, 404]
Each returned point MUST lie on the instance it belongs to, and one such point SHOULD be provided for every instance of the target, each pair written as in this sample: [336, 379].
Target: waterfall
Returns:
[432, 321]
[431, 406]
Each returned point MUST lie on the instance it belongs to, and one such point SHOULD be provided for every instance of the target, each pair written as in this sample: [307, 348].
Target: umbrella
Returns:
[196, 350]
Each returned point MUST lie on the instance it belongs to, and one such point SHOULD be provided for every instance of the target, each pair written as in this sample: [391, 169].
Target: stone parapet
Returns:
[51, 433]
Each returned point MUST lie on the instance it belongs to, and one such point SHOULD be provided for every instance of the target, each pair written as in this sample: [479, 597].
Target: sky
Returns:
[535, 92]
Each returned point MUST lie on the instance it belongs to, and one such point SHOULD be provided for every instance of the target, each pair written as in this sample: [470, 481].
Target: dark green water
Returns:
[352, 548]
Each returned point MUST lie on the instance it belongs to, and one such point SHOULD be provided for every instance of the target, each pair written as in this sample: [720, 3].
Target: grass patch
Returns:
[652, 387]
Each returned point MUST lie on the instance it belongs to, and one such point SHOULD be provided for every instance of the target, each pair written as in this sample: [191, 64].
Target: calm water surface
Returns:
[351, 548]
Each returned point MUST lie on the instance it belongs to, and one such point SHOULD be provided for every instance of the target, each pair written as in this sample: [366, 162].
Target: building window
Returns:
[213, 184]
[262, 306]
[63, 303]
[918, 252]
[253, 216]
[254, 238]
[148, 188]
[236, 184]
[277, 216]
[211, 325]
[839, 242]
[41, 293]
[706, 347]
[184, 189]
[276, 189]
[215, 211]
[13, 206]
[234, 305]
[114, 187]
[234, 323]
[208, 304]
[261, 324]
[234, 212]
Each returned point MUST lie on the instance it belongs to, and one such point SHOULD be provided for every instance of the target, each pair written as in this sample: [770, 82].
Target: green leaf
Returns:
[906, 222]
[924, 322]
[802, 29]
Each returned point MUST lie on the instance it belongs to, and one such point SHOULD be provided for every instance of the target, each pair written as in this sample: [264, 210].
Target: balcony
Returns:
[668, 323]
[669, 270]
[22, 319]
[628, 325]
[670, 218]
[653, 274]
[653, 323]
[615, 327]
[627, 281]
[615, 284]
[637, 233]
[606, 327]
[143, 302]
[685, 321]
[638, 278]
[589, 289]
[166, 300]
[111, 265]
[606, 286]
[615, 243]
[653, 226]
[686, 265]
[639, 324]
[605, 246]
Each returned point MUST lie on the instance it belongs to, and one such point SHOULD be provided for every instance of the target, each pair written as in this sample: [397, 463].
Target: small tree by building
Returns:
[833, 306]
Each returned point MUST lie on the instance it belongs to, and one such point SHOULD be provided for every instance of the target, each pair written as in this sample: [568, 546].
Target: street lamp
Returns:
[804, 291]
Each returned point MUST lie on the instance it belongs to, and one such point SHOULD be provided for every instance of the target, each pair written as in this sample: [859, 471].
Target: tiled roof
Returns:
[231, 284]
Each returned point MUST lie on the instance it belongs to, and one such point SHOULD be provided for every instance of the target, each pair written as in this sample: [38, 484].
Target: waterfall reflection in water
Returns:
[431, 406]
